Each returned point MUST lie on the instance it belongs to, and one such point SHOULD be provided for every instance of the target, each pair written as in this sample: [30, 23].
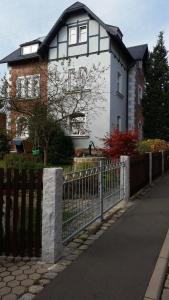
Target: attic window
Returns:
[30, 49]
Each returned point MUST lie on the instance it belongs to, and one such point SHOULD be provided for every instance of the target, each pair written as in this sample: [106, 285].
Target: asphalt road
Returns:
[118, 265]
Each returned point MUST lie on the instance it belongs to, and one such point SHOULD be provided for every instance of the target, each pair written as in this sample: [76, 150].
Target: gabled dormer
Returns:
[79, 32]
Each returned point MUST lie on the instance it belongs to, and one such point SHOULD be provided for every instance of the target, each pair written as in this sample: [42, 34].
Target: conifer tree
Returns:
[156, 98]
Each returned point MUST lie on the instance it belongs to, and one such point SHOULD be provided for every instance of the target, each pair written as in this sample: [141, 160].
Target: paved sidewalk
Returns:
[118, 265]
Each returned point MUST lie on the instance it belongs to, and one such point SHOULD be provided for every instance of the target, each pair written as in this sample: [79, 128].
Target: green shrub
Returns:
[61, 148]
[20, 161]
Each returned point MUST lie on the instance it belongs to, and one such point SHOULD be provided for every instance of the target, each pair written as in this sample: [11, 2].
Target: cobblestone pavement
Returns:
[165, 293]
[23, 279]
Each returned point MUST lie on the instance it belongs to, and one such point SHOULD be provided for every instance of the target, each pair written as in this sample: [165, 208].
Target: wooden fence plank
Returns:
[23, 213]
[15, 213]
[8, 204]
[38, 214]
[30, 214]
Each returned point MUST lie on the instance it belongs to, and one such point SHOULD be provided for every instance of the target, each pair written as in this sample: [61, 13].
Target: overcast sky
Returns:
[140, 21]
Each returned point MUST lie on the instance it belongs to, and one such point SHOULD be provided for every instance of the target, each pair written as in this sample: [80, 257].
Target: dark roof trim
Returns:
[16, 56]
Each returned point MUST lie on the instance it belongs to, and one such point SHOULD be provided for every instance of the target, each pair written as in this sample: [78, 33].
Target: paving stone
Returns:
[78, 241]
[167, 283]
[17, 272]
[18, 290]
[4, 291]
[71, 257]
[66, 262]
[41, 271]
[8, 278]
[43, 281]
[4, 274]
[13, 283]
[2, 284]
[165, 295]
[83, 247]
[27, 282]
[25, 267]
[57, 268]
[13, 268]
[35, 289]
[93, 237]
[2, 269]
[34, 276]
[49, 275]
[88, 242]
[21, 277]
[27, 296]
[29, 271]
[20, 264]
[10, 297]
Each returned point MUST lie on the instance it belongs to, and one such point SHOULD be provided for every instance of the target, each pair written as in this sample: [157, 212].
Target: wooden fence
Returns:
[139, 172]
[156, 164]
[20, 212]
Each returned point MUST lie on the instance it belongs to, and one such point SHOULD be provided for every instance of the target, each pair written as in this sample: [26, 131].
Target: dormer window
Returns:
[29, 49]
[77, 34]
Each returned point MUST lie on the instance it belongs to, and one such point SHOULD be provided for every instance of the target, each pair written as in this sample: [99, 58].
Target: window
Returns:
[119, 83]
[119, 123]
[71, 79]
[78, 124]
[140, 94]
[22, 127]
[30, 49]
[72, 35]
[77, 34]
[28, 86]
[82, 34]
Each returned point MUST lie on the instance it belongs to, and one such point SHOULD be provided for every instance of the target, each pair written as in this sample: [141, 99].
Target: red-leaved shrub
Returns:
[120, 143]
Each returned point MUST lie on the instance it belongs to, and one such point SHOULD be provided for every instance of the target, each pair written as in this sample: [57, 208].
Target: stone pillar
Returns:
[52, 214]
[125, 177]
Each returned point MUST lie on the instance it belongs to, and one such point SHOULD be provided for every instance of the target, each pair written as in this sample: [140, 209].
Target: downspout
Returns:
[127, 99]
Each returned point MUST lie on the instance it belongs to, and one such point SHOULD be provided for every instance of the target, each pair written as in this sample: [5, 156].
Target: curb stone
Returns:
[155, 285]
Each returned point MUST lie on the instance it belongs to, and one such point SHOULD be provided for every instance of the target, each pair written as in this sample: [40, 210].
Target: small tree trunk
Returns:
[45, 155]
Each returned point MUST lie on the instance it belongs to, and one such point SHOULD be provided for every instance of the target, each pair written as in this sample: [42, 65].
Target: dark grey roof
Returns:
[16, 56]
[139, 52]
[35, 41]
[44, 42]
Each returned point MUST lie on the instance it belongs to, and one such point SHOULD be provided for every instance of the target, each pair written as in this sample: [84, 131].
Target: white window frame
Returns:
[26, 89]
[29, 49]
[81, 40]
[72, 42]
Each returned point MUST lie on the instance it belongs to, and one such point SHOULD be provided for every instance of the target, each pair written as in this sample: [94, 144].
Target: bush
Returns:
[120, 143]
[61, 148]
[3, 144]
[152, 145]
[20, 161]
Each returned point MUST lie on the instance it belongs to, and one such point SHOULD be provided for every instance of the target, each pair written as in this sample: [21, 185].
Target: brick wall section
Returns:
[23, 69]
[2, 121]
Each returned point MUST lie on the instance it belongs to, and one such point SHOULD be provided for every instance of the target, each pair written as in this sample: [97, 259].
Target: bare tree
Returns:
[67, 95]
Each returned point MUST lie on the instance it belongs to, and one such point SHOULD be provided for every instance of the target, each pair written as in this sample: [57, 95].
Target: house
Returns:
[83, 39]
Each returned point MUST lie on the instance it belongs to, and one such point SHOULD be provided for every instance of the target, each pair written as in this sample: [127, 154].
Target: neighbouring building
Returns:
[81, 36]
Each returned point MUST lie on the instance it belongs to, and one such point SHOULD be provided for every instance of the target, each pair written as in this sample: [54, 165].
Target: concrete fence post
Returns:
[150, 168]
[162, 167]
[52, 214]
[125, 177]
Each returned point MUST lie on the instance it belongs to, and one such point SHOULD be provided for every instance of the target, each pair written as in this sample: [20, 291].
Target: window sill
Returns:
[79, 136]
[120, 95]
